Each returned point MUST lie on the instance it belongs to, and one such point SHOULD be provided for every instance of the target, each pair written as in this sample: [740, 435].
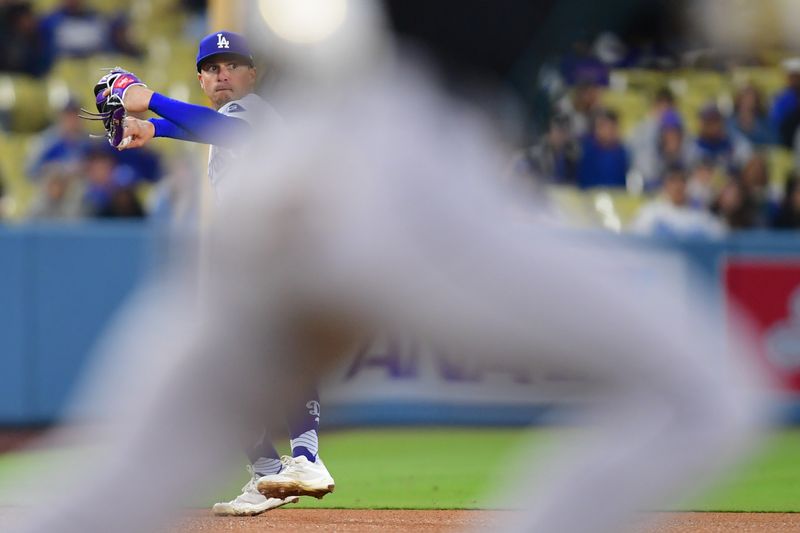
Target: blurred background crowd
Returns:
[680, 151]
[650, 129]
[51, 52]
[635, 128]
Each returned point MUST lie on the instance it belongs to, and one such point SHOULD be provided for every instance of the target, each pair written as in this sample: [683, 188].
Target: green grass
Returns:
[456, 468]
[413, 468]
[770, 482]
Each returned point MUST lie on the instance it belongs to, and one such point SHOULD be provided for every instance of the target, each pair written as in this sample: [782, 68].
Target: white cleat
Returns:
[250, 502]
[299, 477]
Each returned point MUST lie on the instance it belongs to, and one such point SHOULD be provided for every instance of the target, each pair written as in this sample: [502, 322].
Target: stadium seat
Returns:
[709, 84]
[74, 73]
[24, 100]
[781, 162]
[615, 208]
[630, 105]
[771, 56]
[612, 209]
[574, 205]
[159, 52]
[44, 6]
[642, 80]
[166, 18]
[97, 64]
[769, 79]
[13, 149]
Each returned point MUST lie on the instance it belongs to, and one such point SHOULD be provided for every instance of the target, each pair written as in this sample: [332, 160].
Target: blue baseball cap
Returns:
[671, 119]
[223, 42]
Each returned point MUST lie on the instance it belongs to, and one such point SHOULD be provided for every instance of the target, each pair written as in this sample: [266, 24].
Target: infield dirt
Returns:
[396, 521]
[358, 521]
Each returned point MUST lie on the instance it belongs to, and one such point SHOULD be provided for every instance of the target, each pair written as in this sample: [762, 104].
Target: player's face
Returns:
[225, 78]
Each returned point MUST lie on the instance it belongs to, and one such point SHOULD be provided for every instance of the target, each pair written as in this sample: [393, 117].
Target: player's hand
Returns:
[136, 133]
[136, 99]
[110, 91]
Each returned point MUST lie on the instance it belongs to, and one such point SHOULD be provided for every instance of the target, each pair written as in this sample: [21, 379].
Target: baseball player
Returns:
[227, 75]
[385, 208]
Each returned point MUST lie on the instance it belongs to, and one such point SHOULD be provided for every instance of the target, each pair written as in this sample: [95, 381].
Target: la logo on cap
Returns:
[222, 42]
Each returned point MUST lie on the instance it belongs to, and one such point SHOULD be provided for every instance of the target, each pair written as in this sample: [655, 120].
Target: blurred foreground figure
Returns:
[379, 206]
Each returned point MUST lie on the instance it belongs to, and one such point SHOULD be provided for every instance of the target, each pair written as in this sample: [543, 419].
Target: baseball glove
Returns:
[109, 103]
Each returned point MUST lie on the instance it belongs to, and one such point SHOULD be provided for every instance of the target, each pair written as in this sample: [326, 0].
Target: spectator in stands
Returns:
[749, 117]
[646, 134]
[672, 214]
[582, 65]
[75, 30]
[785, 113]
[579, 106]
[673, 147]
[755, 181]
[196, 26]
[788, 216]
[728, 150]
[23, 47]
[65, 143]
[119, 36]
[144, 161]
[604, 160]
[59, 197]
[123, 203]
[703, 183]
[554, 159]
[98, 169]
[670, 148]
[110, 189]
[735, 207]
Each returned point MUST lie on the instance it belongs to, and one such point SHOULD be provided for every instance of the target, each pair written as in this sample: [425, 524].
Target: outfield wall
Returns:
[61, 285]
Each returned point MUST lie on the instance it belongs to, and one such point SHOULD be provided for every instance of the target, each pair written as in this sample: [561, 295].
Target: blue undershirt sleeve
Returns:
[201, 123]
[165, 128]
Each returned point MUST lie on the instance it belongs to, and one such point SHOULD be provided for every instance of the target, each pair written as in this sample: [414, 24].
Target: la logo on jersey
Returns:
[222, 42]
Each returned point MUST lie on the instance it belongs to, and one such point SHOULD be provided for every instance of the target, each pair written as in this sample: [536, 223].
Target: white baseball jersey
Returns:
[256, 112]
